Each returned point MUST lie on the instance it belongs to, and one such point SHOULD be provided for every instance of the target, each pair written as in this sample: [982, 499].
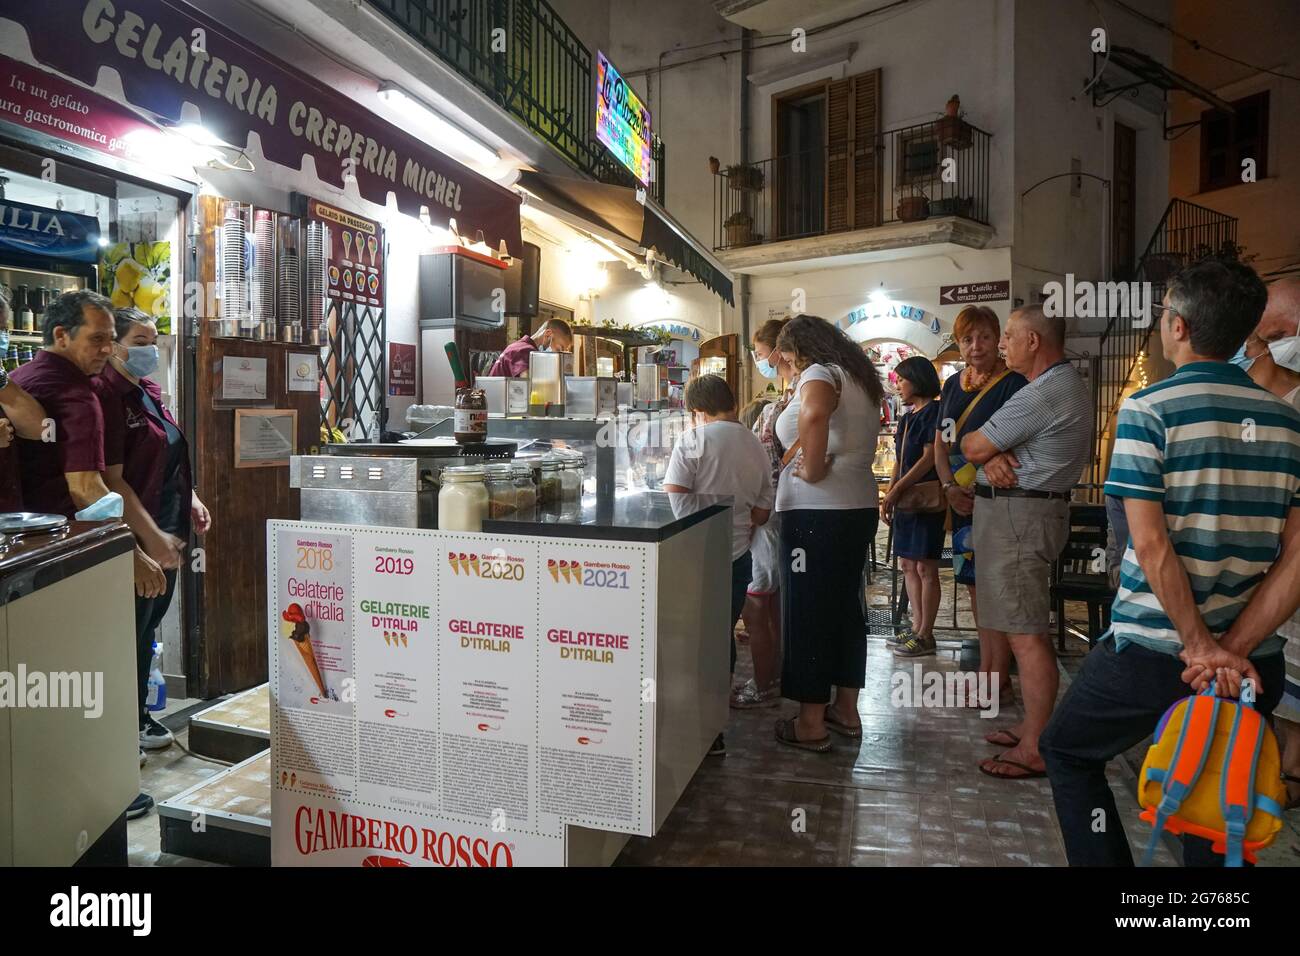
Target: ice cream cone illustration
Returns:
[473, 563]
[577, 571]
[403, 638]
[555, 571]
[293, 779]
[564, 569]
[347, 244]
[284, 777]
[464, 563]
[301, 637]
[372, 246]
[451, 559]
[385, 637]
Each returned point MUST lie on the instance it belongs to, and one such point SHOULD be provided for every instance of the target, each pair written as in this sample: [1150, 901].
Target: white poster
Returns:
[476, 691]
[243, 378]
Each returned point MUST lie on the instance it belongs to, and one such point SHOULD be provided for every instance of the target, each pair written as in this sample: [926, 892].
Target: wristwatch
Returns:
[947, 485]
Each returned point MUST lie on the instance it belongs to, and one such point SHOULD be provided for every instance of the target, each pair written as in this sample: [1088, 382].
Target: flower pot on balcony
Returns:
[739, 230]
[1160, 266]
[951, 129]
[745, 178]
[913, 208]
[952, 206]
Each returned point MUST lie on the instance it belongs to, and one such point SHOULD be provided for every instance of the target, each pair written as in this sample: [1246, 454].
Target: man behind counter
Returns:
[554, 336]
[63, 471]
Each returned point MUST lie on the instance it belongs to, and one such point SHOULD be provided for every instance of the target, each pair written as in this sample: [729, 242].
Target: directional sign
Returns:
[974, 292]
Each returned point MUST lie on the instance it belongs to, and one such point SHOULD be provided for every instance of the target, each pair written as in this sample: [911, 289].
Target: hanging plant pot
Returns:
[745, 178]
[913, 208]
[953, 132]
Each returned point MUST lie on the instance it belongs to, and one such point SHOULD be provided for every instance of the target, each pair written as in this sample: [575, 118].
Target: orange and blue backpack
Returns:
[1214, 771]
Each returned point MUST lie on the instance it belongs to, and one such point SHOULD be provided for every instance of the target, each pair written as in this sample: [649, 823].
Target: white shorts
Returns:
[765, 550]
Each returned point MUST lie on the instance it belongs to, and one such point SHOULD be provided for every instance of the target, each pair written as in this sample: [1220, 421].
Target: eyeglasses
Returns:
[1161, 309]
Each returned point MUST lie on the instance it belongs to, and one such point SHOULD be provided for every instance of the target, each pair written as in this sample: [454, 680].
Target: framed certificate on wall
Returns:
[265, 437]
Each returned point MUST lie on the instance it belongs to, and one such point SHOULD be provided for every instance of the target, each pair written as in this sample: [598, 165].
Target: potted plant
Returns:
[913, 208]
[745, 177]
[1159, 266]
[952, 130]
[739, 229]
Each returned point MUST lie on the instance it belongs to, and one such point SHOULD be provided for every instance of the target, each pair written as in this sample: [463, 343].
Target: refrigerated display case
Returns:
[720, 356]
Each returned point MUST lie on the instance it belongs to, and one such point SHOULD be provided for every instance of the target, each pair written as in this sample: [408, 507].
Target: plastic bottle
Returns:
[156, 696]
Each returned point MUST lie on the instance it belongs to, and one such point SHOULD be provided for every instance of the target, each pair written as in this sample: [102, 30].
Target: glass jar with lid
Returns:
[501, 490]
[571, 481]
[550, 496]
[525, 490]
[463, 500]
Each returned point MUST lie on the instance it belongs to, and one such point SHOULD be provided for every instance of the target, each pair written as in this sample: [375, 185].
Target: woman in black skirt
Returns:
[829, 510]
[918, 535]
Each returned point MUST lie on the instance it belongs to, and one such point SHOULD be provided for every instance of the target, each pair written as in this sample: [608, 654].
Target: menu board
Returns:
[498, 688]
[354, 270]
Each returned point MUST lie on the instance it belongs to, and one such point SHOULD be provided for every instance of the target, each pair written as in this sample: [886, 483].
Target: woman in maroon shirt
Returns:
[148, 463]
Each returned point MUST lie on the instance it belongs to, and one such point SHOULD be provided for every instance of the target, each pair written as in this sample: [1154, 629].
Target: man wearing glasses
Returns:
[1208, 466]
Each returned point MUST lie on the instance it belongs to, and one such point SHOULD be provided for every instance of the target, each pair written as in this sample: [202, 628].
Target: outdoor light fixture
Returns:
[206, 149]
[446, 135]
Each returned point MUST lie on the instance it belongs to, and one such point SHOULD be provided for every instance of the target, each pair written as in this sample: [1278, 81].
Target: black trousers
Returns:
[149, 613]
[1114, 704]
[823, 629]
[742, 572]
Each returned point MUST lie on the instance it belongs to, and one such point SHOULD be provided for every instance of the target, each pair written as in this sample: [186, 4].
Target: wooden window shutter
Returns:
[852, 166]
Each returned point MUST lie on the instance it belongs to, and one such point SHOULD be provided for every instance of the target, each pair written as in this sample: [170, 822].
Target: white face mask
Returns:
[1286, 352]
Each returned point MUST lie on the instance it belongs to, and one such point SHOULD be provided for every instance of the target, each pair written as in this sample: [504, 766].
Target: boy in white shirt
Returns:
[720, 456]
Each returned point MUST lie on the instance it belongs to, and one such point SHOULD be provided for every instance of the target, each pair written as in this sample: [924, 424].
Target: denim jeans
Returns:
[1115, 703]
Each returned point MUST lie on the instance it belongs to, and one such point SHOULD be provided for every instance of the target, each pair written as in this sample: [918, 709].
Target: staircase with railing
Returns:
[1187, 233]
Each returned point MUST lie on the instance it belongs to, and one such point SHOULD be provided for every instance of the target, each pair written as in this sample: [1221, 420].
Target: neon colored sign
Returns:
[622, 121]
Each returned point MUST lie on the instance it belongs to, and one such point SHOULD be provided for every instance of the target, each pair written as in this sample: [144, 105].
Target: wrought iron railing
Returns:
[1187, 233]
[903, 175]
[537, 70]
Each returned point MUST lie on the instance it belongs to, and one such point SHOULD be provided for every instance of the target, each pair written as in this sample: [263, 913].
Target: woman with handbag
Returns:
[967, 401]
[915, 504]
[829, 509]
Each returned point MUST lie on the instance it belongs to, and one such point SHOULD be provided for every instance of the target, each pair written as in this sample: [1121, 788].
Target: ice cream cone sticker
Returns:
[301, 637]
[577, 571]
[347, 244]
[403, 638]
[293, 779]
[385, 637]
[464, 563]
[555, 571]
[564, 569]
[473, 563]
[451, 559]
[372, 246]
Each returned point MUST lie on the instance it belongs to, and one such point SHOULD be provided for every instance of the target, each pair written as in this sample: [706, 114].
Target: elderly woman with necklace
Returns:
[968, 400]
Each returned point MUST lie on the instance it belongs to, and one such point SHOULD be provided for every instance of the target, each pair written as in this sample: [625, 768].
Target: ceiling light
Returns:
[446, 135]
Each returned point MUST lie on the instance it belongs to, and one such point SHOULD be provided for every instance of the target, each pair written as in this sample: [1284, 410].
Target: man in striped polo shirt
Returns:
[1032, 452]
[1208, 465]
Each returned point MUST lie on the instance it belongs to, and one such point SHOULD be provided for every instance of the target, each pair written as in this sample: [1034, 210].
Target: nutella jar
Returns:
[471, 416]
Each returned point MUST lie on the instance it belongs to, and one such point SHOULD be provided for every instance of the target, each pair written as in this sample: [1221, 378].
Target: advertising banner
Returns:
[354, 269]
[48, 233]
[622, 121]
[434, 689]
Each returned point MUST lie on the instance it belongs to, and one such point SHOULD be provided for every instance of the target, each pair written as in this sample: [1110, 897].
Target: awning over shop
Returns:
[617, 209]
[168, 54]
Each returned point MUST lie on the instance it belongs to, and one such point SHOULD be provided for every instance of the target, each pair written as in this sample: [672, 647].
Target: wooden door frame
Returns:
[797, 92]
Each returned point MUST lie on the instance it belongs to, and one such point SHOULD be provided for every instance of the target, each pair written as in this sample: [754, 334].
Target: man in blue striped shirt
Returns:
[1208, 465]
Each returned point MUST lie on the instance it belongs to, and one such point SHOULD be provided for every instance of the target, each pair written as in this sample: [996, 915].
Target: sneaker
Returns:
[142, 757]
[719, 747]
[154, 736]
[900, 637]
[749, 696]
[915, 647]
[139, 807]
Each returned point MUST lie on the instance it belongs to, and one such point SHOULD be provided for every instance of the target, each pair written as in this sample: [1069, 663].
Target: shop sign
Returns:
[401, 369]
[48, 233]
[168, 54]
[894, 310]
[676, 330]
[354, 269]
[975, 292]
[40, 101]
[622, 121]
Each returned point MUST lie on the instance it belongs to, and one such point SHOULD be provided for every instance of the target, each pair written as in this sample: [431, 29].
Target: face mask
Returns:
[1242, 360]
[141, 360]
[1286, 352]
[765, 368]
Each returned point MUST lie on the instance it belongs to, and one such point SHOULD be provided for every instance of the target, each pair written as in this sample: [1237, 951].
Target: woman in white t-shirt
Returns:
[829, 509]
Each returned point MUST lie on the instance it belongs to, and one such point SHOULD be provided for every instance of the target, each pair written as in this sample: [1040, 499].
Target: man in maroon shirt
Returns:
[554, 336]
[22, 414]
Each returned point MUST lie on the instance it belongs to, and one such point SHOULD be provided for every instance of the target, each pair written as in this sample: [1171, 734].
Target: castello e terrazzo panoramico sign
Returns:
[167, 54]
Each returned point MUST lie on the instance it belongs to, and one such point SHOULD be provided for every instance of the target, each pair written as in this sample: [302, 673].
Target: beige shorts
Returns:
[1016, 542]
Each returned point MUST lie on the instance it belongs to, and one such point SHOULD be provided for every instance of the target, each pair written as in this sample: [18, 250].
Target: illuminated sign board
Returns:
[622, 121]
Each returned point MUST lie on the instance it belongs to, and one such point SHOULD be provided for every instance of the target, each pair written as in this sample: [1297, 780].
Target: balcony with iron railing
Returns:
[907, 175]
[542, 74]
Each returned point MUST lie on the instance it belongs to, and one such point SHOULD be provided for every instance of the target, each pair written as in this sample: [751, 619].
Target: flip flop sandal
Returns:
[1015, 741]
[1029, 774]
[785, 733]
[844, 730]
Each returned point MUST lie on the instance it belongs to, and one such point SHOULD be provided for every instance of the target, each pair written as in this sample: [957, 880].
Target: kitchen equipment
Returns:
[650, 385]
[464, 499]
[30, 522]
[516, 396]
[626, 393]
[318, 240]
[384, 485]
[495, 387]
[234, 257]
[580, 396]
[546, 393]
[261, 324]
[288, 269]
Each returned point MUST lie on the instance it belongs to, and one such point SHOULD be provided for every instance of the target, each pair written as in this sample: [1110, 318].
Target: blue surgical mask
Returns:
[765, 368]
[1242, 360]
[141, 360]
[4, 340]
